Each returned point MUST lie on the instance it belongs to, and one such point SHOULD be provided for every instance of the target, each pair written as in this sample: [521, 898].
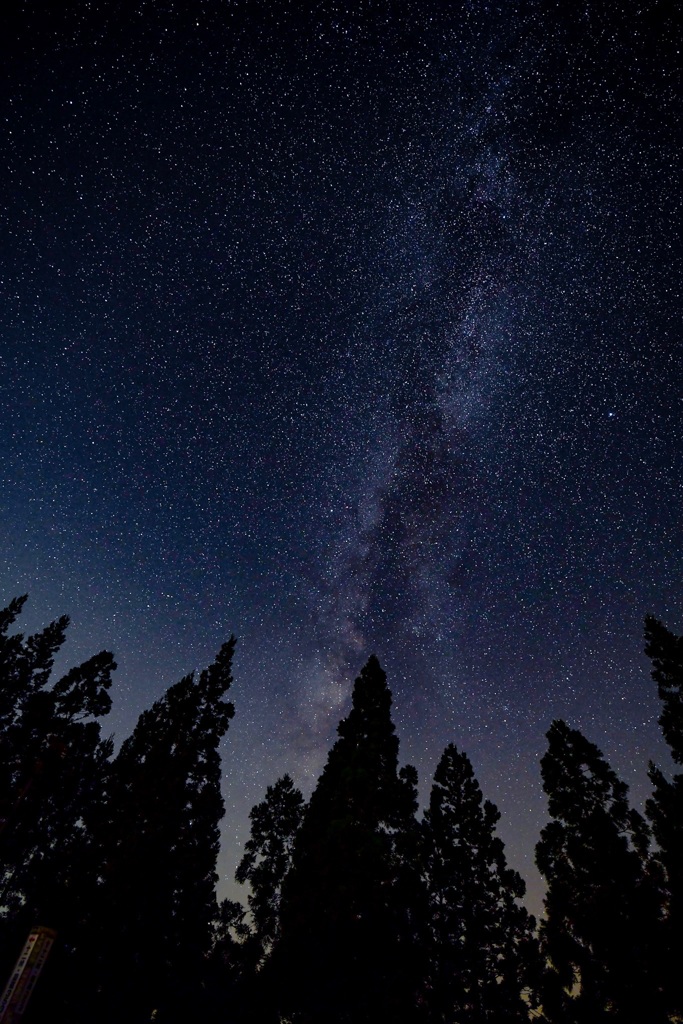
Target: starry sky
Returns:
[350, 328]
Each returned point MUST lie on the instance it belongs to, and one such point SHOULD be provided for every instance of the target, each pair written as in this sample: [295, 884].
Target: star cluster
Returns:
[350, 329]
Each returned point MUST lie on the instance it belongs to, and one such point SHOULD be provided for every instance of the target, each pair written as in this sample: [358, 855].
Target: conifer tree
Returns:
[229, 991]
[348, 950]
[159, 839]
[483, 951]
[268, 855]
[52, 767]
[598, 937]
[665, 808]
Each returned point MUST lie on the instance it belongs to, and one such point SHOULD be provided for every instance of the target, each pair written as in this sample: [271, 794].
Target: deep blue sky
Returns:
[350, 331]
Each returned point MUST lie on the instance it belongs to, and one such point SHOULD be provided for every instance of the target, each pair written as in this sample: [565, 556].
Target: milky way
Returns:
[348, 331]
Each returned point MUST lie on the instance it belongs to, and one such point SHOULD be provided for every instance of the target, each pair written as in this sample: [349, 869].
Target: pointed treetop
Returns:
[576, 776]
[371, 702]
[482, 946]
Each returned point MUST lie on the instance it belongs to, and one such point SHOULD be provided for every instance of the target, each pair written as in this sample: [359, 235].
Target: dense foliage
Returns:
[483, 955]
[357, 910]
[53, 765]
[347, 948]
[601, 919]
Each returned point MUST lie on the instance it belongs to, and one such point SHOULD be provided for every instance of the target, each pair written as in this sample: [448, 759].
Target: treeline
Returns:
[358, 910]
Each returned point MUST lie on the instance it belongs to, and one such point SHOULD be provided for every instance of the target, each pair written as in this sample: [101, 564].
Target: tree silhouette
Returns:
[268, 856]
[665, 808]
[52, 767]
[347, 950]
[598, 936]
[483, 951]
[159, 838]
[229, 992]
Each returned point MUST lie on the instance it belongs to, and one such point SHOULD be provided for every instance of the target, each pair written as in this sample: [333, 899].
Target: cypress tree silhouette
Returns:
[159, 838]
[599, 934]
[483, 951]
[52, 767]
[268, 856]
[348, 948]
[665, 808]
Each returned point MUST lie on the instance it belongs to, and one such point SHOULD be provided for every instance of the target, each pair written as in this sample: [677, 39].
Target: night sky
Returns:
[350, 328]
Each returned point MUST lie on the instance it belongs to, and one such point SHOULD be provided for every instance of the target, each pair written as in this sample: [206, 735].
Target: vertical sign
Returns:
[25, 974]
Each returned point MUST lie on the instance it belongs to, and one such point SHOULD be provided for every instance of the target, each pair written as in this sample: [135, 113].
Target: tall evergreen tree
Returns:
[348, 950]
[229, 991]
[598, 937]
[52, 766]
[483, 950]
[665, 808]
[268, 856]
[159, 838]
